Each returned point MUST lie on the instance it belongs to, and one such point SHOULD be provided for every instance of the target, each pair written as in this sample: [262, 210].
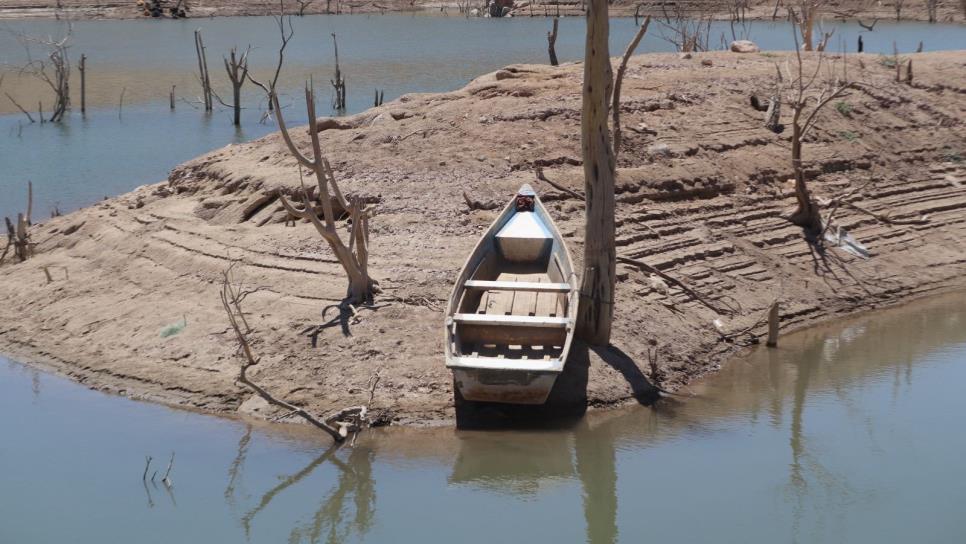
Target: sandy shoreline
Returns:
[949, 11]
[708, 211]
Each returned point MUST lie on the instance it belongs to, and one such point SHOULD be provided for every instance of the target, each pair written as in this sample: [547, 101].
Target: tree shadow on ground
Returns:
[568, 399]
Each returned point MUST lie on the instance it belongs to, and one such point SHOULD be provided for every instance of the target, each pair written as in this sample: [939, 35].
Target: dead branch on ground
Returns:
[671, 279]
[337, 425]
[538, 171]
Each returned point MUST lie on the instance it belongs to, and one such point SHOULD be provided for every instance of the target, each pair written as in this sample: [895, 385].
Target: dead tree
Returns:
[354, 255]
[618, 81]
[338, 83]
[53, 70]
[932, 6]
[203, 70]
[82, 68]
[237, 68]
[18, 235]
[809, 13]
[552, 43]
[806, 103]
[380, 96]
[688, 31]
[269, 86]
[597, 290]
[898, 7]
[338, 425]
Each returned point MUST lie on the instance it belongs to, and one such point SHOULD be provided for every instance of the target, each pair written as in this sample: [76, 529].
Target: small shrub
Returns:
[888, 62]
[844, 108]
[849, 136]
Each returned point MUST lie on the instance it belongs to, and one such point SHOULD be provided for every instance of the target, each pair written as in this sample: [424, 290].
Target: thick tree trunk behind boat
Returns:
[807, 215]
[599, 274]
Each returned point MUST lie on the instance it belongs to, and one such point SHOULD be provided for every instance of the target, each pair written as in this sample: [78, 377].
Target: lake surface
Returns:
[116, 148]
[850, 433]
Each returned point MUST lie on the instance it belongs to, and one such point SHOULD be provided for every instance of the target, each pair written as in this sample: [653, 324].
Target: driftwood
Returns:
[552, 43]
[18, 234]
[538, 171]
[338, 425]
[619, 79]
[671, 279]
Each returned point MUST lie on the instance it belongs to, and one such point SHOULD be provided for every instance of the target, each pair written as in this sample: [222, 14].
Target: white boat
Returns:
[510, 320]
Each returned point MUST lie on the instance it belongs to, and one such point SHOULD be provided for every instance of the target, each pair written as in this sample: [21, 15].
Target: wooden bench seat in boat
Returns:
[512, 329]
[530, 286]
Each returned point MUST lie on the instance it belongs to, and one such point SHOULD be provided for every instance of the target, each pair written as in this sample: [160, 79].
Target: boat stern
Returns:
[505, 386]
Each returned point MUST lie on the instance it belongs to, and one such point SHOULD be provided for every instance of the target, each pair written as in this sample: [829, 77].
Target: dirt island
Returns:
[702, 191]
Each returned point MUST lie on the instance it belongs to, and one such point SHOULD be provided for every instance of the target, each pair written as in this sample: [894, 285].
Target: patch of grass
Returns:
[844, 108]
[951, 155]
[849, 136]
[768, 54]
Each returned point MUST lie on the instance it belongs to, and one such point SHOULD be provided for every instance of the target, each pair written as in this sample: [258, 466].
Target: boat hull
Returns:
[507, 386]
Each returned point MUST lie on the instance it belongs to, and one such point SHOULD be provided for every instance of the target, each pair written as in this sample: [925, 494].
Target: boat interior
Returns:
[516, 302]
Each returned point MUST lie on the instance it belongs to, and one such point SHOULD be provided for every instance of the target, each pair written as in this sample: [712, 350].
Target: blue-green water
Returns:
[85, 159]
[850, 433]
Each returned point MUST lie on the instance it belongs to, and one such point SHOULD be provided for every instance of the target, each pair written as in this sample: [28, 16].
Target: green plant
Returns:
[848, 135]
[844, 108]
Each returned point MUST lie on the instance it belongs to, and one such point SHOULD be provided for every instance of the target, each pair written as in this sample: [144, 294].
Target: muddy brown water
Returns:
[847, 433]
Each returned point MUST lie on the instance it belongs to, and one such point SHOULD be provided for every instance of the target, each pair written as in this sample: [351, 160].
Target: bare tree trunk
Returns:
[237, 68]
[338, 83]
[552, 42]
[353, 256]
[773, 325]
[82, 68]
[171, 97]
[596, 312]
[619, 79]
[807, 215]
[203, 70]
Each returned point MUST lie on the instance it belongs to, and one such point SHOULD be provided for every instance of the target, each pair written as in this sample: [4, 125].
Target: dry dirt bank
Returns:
[708, 211]
[947, 10]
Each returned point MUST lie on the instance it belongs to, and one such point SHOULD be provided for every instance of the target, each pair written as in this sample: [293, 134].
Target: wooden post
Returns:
[203, 70]
[171, 97]
[82, 67]
[596, 312]
[773, 325]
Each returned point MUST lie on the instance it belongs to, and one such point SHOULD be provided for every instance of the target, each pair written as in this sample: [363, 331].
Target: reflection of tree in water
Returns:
[234, 470]
[354, 480]
[596, 466]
